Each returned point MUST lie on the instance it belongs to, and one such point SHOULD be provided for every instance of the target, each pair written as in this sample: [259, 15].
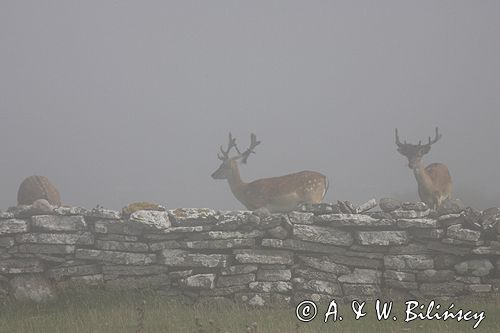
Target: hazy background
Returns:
[121, 101]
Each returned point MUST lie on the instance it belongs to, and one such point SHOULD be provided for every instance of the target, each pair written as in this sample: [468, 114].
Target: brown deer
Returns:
[277, 194]
[37, 187]
[434, 181]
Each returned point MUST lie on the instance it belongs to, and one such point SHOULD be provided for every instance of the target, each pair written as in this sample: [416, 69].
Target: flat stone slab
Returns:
[60, 272]
[235, 280]
[80, 238]
[19, 266]
[239, 269]
[274, 275]
[226, 235]
[153, 219]
[318, 286]
[199, 281]
[46, 248]
[193, 216]
[417, 223]
[448, 248]
[264, 257]
[325, 235]
[59, 223]
[351, 220]
[138, 282]
[270, 287]
[325, 264]
[301, 218]
[122, 258]
[299, 245]
[458, 232]
[183, 258]
[13, 226]
[409, 214]
[117, 227]
[492, 249]
[360, 291]
[362, 276]
[122, 246]
[442, 289]
[308, 273]
[432, 275]
[399, 276]
[383, 238]
[103, 213]
[427, 233]
[219, 244]
[168, 244]
[407, 262]
[120, 270]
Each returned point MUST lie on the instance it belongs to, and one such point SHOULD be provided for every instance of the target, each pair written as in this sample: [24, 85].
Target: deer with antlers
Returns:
[434, 181]
[277, 194]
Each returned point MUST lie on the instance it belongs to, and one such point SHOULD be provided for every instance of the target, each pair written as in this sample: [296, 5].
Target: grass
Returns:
[97, 310]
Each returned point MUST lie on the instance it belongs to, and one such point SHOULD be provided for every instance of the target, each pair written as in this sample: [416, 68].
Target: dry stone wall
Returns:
[320, 252]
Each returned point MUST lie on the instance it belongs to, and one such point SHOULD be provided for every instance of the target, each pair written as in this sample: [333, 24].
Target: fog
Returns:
[122, 101]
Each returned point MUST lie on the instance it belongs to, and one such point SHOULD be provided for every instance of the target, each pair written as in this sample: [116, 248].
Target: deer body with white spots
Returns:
[277, 194]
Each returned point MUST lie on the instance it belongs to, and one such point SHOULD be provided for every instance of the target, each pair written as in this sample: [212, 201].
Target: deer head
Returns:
[414, 153]
[229, 164]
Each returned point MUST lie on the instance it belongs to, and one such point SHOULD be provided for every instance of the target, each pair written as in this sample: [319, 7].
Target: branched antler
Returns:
[253, 143]
[431, 141]
[231, 144]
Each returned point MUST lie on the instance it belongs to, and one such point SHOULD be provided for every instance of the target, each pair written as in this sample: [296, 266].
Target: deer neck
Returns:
[236, 184]
[421, 176]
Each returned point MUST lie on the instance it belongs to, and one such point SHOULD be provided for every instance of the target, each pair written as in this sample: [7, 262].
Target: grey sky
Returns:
[121, 101]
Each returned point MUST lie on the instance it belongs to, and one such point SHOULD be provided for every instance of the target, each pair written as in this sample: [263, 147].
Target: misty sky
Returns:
[122, 101]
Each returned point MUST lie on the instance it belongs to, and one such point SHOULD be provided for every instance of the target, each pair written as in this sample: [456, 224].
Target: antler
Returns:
[438, 136]
[253, 143]
[225, 153]
[397, 139]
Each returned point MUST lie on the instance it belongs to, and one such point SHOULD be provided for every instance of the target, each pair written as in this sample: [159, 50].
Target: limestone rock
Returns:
[407, 262]
[458, 232]
[361, 276]
[383, 238]
[59, 223]
[193, 216]
[476, 267]
[263, 257]
[325, 264]
[325, 235]
[199, 281]
[274, 274]
[158, 220]
[32, 287]
[235, 280]
[13, 226]
[121, 258]
[442, 289]
[389, 204]
[181, 258]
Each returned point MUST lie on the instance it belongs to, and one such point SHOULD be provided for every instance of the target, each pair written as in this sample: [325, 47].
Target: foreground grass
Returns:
[95, 310]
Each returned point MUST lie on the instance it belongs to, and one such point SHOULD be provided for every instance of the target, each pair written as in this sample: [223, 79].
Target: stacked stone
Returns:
[319, 252]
